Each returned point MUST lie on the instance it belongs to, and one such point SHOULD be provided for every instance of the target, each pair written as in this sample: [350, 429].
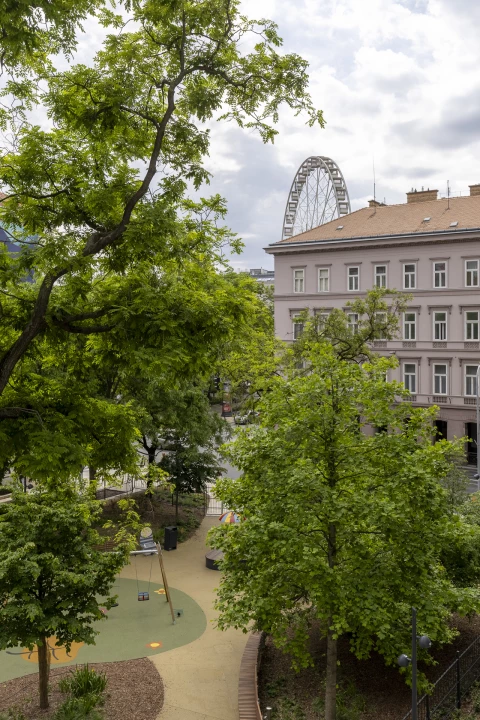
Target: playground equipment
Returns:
[149, 547]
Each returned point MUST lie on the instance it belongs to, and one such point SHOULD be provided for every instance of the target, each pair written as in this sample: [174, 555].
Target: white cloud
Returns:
[398, 83]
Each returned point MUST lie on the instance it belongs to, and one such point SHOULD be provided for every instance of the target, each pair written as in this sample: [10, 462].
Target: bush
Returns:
[12, 714]
[84, 682]
[350, 704]
[286, 709]
[76, 708]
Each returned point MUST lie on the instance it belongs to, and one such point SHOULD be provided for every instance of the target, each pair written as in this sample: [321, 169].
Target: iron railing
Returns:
[451, 687]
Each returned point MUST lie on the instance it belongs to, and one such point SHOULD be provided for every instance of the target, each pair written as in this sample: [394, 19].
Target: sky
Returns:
[399, 85]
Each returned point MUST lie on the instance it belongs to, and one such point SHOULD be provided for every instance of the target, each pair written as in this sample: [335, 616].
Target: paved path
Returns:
[201, 678]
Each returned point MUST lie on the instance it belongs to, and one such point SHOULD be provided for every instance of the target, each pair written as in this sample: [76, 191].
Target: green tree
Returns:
[51, 575]
[87, 193]
[180, 421]
[343, 527]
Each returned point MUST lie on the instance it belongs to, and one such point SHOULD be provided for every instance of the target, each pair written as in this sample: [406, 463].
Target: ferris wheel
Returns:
[318, 194]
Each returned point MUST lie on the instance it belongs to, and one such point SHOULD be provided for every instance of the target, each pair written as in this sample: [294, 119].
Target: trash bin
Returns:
[170, 542]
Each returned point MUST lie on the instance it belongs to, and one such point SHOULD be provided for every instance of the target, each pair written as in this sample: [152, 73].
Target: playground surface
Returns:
[199, 665]
[132, 630]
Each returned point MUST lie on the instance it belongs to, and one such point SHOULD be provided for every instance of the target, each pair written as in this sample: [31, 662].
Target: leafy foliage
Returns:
[51, 575]
[343, 526]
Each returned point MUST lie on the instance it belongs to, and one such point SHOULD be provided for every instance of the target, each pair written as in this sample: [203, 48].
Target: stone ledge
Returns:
[248, 705]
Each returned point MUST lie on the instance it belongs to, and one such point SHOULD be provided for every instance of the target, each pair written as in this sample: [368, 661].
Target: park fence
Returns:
[451, 687]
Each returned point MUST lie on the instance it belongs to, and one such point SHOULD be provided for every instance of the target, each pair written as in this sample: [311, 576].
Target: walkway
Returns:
[201, 678]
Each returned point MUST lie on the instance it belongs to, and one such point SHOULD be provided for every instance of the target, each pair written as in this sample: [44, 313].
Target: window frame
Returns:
[294, 271]
[474, 394]
[295, 324]
[385, 315]
[440, 272]
[355, 324]
[439, 323]
[414, 374]
[319, 270]
[353, 277]
[473, 323]
[384, 275]
[414, 286]
[467, 270]
[435, 375]
[409, 322]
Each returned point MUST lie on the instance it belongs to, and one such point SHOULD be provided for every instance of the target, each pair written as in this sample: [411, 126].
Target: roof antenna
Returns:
[448, 194]
[374, 187]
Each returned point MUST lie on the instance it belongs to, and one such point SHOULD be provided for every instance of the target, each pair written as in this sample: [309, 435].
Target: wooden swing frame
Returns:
[158, 552]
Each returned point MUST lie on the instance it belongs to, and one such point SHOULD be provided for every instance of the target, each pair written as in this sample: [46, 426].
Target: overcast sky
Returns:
[398, 81]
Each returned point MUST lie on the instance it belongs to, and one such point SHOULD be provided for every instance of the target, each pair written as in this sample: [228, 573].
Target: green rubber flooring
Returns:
[132, 630]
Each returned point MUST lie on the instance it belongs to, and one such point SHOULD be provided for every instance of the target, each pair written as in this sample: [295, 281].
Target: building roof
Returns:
[388, 220]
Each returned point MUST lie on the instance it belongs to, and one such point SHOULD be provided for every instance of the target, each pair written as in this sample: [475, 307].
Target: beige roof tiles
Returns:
[387, 220]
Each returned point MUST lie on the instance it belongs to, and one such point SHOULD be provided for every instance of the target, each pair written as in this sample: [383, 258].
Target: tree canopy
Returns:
[343, 525]
[51, 575]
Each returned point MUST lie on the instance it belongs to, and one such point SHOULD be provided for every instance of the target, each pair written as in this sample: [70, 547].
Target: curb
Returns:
[248, 705]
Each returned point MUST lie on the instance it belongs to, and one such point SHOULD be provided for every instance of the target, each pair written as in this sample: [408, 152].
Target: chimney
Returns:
[375, 203]
[421, 196]
[474, 190]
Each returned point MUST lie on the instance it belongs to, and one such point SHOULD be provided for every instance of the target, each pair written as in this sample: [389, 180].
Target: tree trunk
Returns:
[176, 505]
[43, 671]
[151, 460]
[331, 675]
[92, 477]
[331, 678]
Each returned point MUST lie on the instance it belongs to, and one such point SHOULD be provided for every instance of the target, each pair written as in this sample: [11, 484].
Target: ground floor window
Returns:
[441, 426]
[471, 433]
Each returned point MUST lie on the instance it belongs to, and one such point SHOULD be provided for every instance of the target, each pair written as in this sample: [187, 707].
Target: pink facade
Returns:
[438, 346]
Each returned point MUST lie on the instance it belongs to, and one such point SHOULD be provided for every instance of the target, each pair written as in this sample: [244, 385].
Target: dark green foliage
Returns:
[84, 708]
[83, 681]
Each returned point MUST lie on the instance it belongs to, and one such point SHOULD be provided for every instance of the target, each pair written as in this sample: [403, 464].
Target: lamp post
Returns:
[477, 388]
[403, 660]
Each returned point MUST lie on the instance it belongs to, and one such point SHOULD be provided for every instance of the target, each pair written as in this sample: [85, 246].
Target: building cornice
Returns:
[347, 244]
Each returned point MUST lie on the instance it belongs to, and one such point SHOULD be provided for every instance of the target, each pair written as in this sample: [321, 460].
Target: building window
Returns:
[381, 322]
[440, 379]
[353, 322]
[440, 274]
[471, 273]
[471, 325]
[353, 278]
[409, 276]
[410, 377]
[441, 428]
[409, 326]
[323, 280]
[322, 319]
[298, 326]
[299, 281]
[439, 325]
[471, 380]
[380, 276]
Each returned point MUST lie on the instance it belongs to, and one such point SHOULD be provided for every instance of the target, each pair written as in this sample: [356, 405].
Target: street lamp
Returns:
[477, 388]
[404, 661]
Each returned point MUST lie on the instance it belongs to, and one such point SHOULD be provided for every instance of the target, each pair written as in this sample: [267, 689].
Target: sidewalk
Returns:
[200, 679]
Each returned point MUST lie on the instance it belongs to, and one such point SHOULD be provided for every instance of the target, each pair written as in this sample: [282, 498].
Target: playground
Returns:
[198, 664]
[131, 630]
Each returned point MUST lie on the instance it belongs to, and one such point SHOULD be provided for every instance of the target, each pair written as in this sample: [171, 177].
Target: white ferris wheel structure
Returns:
[318, 195]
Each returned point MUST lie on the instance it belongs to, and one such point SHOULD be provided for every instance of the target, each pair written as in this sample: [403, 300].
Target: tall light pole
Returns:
[424, 642]
[478, 425]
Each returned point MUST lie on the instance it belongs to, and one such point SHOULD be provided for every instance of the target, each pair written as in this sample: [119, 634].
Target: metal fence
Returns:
[451, 687]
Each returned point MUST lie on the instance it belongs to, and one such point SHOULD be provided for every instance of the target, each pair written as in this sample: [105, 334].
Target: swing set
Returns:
[149, 547]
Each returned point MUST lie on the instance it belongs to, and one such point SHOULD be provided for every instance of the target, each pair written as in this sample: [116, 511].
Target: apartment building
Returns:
[427, 247]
